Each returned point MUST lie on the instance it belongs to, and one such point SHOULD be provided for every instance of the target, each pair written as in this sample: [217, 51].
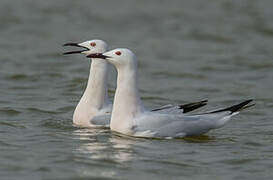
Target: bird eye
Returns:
[118, 53]
[93, 44]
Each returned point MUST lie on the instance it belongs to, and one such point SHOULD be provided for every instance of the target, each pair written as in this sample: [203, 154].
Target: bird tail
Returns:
[221, 116]
[235, 108]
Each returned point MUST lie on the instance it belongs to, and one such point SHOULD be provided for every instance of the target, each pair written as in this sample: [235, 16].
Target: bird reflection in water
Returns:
[99, 144]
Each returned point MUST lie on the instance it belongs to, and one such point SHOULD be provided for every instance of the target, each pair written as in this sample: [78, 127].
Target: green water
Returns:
[187, 51]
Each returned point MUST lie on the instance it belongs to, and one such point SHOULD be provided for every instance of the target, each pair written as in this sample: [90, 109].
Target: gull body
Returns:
[129, 116]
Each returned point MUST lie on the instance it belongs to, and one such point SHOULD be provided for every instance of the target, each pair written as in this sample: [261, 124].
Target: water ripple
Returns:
[9, 111]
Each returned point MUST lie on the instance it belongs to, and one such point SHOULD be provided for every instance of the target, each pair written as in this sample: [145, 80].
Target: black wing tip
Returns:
[192, 106]
[241, 106]
[66, 44]
[248, 106]
[236, 107]
[67, 53]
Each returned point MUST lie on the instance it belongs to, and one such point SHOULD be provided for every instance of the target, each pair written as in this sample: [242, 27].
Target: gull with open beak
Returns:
[94, 108]
[129, 116]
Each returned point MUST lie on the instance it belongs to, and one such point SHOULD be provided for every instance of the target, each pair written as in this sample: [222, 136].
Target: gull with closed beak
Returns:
[129, 116]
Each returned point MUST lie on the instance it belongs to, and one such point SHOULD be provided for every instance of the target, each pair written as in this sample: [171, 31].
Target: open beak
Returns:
[97, 55]
[75, 45]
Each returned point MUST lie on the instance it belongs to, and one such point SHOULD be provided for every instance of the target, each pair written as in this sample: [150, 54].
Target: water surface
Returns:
[187, 51]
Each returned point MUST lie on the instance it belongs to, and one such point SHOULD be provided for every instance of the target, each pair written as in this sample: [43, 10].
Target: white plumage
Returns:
[131, 118]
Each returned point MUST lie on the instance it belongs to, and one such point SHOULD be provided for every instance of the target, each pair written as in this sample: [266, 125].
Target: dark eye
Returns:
[118, 53]
[93, 44]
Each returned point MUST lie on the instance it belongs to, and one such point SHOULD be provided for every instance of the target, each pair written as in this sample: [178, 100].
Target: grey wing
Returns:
[182, 108]
[104, 118]
[165, 125]
[173, 109]
[101, 120]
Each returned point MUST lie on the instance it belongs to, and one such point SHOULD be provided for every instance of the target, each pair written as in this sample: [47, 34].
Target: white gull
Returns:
[129, 116]
[94, 108]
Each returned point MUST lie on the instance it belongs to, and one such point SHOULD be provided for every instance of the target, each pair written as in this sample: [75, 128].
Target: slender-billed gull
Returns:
[131, 118]
[94, 108]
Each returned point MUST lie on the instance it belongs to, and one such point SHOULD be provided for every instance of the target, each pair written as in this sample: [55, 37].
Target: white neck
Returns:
[95, 96]
[127, 102]
[96, 92]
